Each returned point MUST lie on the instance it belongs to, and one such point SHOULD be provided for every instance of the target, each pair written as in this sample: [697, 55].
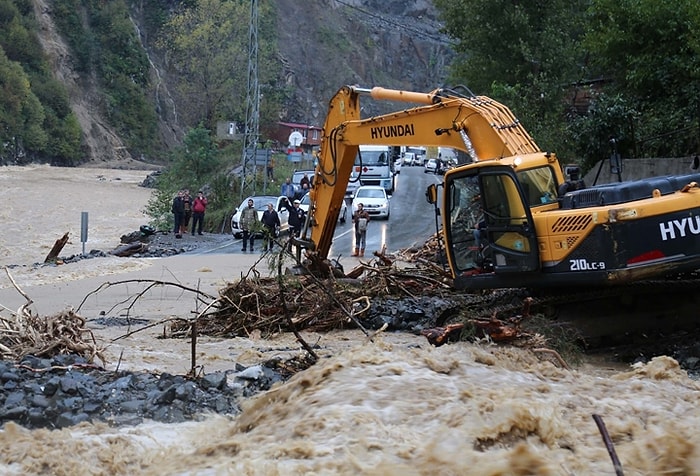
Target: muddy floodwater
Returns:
[392, 405]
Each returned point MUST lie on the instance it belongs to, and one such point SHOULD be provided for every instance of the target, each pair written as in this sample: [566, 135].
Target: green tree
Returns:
[194, 165]
[197, 158]
[208, 48]
[124, 71]
[609, 117]
[649, 53]
[207, 43]
[21, 113]
[49, 129]
[525, 54]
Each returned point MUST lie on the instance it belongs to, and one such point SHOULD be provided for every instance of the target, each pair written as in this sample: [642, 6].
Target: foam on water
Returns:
[384, 409]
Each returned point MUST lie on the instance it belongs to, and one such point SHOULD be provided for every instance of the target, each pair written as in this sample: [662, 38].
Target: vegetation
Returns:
[107, 47]
[207, 43]
[36, 121]
[539, 57]
[199, 164]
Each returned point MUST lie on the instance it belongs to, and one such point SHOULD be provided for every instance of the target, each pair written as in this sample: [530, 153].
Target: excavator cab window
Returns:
[465, 212]
[539, 185]
[490, 227]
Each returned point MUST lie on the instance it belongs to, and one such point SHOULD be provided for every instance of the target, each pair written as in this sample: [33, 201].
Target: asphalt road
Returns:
[412, 220]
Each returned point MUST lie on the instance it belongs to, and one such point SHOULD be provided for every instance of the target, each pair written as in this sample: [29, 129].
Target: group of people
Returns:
[184, 209]
[250, 222]
[270, 223]
[291, 192]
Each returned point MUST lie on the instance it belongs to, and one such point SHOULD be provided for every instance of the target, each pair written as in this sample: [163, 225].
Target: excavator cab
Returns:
[489, 230]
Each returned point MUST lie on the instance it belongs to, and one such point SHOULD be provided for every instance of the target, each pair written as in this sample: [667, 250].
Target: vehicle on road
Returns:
[409, 158]
[305, 202]
[374, 166]
[431, 166]
[397, 167]
[281, 204]
[413, 155]
[374, 199]
[298, 175]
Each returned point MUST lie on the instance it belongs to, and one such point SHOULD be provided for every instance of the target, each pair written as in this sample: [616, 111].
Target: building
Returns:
[311, 136]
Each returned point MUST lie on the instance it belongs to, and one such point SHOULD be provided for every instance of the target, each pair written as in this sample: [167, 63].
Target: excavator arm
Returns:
[477, 125]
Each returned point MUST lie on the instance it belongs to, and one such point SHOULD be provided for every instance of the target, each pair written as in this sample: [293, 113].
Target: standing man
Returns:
[288, 189]
[187, 202]
[198, 208]
[305, 181]
[361, 219]
[249, 218]
[297, 217]
[303, 191]
[271, 169]
[178, 210]
[270, 220]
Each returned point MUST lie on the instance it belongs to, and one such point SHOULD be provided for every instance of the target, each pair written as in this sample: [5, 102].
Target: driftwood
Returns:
[56, 250]
[25, 333]
[129, 249]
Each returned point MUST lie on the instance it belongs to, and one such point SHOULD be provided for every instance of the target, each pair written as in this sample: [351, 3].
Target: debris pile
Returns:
[24, 333]
[375, 295]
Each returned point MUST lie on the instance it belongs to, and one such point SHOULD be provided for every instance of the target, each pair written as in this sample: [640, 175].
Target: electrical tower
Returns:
[252, 108]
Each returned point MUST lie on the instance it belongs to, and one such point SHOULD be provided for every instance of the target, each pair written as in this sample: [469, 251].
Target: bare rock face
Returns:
[101, 143]
[326, 44]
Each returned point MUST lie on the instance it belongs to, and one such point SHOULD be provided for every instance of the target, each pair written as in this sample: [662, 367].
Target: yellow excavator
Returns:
[507, 217]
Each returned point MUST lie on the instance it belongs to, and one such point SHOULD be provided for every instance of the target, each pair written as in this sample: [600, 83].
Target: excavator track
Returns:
[602, 316]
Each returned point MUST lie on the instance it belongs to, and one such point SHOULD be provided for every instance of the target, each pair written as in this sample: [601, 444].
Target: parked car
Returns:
[305, 202]
[298, 175]
[374, 199]
[431, 166]
[397, 167]
[418, 159]
[281, 204]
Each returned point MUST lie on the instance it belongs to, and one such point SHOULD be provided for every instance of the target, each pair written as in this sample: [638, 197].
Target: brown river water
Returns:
[391, 406]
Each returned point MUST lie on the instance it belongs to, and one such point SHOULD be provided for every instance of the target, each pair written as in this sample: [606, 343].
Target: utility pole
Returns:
[252, 108]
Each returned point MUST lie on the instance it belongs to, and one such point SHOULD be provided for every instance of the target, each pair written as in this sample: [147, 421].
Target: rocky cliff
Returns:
[325, 44]
[322, 45]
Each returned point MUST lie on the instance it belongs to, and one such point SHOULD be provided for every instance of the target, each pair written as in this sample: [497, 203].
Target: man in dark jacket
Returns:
[178, 210]
[297, 216]
[271, 221]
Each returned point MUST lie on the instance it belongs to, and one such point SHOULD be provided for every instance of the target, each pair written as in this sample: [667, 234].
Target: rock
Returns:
[60, 398]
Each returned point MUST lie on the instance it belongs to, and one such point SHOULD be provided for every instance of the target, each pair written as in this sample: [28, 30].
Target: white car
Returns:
[260, 203]
[431, 166]
[374, 200]
[397, 166]
[305, 203]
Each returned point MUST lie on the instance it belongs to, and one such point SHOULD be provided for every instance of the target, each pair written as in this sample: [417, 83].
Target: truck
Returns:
[503, 221]
[374, 165]
[413, 155]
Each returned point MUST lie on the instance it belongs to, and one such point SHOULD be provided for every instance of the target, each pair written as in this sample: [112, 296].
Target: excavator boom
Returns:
[477, 125]
[507, 218]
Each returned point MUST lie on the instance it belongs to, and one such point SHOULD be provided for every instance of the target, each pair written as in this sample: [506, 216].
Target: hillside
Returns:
[322, 45]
